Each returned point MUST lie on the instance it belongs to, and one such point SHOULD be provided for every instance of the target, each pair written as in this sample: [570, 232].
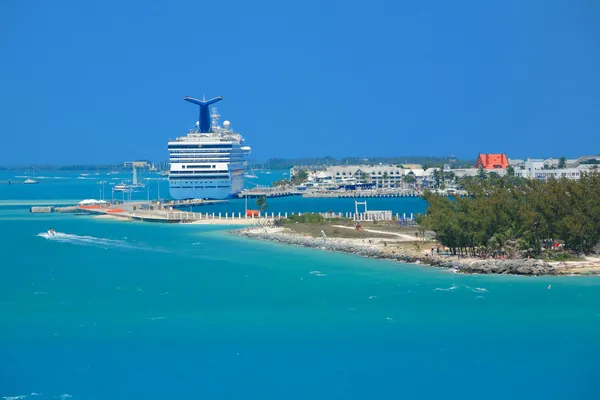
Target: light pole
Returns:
[101, 183]
[158, 186]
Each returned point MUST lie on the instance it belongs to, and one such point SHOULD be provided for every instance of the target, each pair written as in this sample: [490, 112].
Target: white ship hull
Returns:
[208, 189]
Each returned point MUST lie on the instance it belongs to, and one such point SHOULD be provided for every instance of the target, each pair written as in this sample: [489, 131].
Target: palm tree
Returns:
[410, 178]
[437, 177]
[261, 203]
[386, 177]
[364, 177]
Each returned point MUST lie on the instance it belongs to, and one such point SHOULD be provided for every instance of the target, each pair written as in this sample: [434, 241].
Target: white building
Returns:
[380, 175]
[542, 169]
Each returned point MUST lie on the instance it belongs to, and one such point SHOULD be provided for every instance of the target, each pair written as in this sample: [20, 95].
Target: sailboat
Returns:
[136, 183]
[250, 174]
[30, 181]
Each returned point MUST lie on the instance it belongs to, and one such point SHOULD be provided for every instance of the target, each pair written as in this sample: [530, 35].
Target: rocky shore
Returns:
[377, 250]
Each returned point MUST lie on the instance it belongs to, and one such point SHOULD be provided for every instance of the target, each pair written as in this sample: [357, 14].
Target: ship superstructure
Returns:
[209, 162]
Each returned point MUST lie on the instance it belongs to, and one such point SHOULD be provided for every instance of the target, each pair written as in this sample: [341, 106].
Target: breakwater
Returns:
[490, 266]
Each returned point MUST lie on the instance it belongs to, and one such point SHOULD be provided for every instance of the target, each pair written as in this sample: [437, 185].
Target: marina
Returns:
[270, 192]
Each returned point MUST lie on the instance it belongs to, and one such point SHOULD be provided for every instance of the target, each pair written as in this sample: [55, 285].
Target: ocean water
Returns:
[128, 310]
[69, 187]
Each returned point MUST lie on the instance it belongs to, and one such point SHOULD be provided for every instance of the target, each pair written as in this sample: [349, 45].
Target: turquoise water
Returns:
[68, 187]
[127, 310]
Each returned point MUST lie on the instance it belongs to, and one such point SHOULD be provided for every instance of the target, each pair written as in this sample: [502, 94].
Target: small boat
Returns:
[121, 187]
[51, 232]
[30, 181]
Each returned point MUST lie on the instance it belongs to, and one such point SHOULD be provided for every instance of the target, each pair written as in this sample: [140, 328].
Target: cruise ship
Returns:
[209, 162]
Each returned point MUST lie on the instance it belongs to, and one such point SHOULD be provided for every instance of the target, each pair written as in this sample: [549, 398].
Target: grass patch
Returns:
[559, 256]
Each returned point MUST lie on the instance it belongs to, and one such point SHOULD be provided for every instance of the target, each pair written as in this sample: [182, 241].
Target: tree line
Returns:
[517, 216]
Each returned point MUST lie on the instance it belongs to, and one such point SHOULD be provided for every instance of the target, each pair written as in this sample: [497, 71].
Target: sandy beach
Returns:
[111, 217]
[240, 222]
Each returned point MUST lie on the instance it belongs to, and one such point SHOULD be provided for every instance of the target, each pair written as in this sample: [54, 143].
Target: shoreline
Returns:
[379, 249]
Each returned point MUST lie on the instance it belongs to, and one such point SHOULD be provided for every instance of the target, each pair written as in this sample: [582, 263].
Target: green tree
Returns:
[511, 216]
[481, 173]
[299, 177]
[385, 177]
[410, 178]
[282, 182]
[364, 177]
[437, 177]
[261, 203]
[450, 176]
[510, 171]
[562, 163]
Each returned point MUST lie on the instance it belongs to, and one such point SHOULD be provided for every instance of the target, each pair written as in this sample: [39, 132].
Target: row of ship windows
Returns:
[198, 166]
[196, 182]
[199, 187]
[213, 155]
[196, 172]
[178, 178]
[199, 155]
[200, 146]
[192, 160]
[200, 152]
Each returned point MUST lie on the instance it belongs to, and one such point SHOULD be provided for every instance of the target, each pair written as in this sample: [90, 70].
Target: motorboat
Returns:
[122, 187]
[51, 232]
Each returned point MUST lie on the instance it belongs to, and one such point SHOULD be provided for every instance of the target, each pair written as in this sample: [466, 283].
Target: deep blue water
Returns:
[127, 310]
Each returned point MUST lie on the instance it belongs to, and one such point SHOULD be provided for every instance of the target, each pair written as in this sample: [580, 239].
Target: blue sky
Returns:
[104, 81]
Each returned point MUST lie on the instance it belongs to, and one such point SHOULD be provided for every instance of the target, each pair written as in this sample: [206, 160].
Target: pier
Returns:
[191, 203]
[177, 216]
[269, 192]
[361, 193]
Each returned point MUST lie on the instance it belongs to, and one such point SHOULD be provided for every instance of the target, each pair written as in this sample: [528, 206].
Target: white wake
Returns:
[86, 240]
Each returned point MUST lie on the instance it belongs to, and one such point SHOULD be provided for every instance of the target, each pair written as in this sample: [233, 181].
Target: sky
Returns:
[94, 82]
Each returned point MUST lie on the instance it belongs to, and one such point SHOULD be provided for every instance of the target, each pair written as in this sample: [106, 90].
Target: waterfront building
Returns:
[542, 169]
[492, 161]
[545, 174]
[379, 175]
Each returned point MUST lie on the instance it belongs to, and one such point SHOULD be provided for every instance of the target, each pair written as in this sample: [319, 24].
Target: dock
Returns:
[191, 203]
[176, 216]
[338, 193]
[269, 192]
[362, 193]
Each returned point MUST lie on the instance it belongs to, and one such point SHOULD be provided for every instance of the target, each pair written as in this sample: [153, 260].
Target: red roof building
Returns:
[492, 161]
